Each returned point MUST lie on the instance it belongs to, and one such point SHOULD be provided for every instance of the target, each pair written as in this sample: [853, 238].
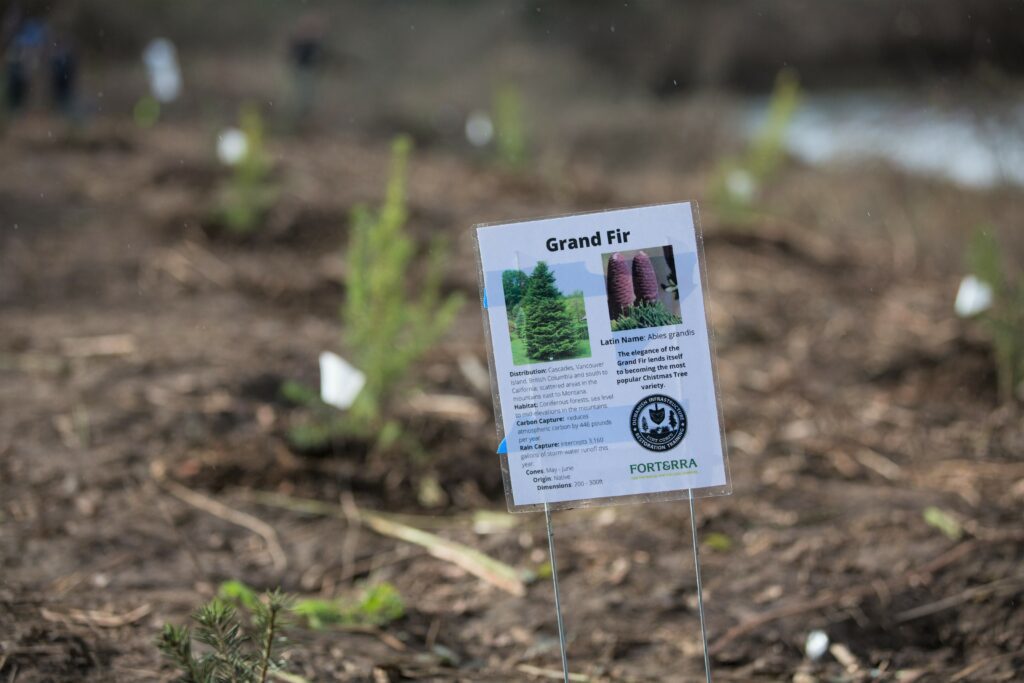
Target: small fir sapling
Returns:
[248, 196]
[386, 327]
[645, 282]
[233, 651]
[1004, 317]
[737, 182]
[510, 131]
[620, 286]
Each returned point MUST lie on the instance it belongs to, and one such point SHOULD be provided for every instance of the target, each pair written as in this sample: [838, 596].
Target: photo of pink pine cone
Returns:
[620, 285]
[645, 282]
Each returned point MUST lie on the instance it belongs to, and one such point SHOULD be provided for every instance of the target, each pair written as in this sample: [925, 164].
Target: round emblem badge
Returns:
[658, 423]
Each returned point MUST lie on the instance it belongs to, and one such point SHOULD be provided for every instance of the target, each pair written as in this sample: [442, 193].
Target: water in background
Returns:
[973, 147]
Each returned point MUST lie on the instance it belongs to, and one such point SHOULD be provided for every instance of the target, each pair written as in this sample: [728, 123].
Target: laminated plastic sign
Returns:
[602, 361]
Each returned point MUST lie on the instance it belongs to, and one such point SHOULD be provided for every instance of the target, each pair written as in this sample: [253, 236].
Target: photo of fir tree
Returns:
[543, 323]
[643, 289]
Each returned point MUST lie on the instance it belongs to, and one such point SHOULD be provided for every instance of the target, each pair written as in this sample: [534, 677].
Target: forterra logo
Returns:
[658, 423]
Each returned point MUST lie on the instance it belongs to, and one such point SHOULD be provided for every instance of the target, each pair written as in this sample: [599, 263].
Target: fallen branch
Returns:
[473, 561]
[958, 599]
[66, 583]
[477, 563]
[103, 345]
[555, 675]
[99, 618]
[229, 514]
[384, 637]
[451, 406]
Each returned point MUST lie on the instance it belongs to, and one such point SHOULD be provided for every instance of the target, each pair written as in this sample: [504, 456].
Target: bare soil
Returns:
[136, 350]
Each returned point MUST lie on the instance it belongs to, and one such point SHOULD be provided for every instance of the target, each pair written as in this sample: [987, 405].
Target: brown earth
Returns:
[139, 356]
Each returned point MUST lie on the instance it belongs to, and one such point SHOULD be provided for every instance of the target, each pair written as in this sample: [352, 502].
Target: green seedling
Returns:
[379, 605]
[738, 181]
[248, 195]
[1004, 317]
[718, 541]
[944, 522]
[385, 327]
[230, 648]
[509, 128]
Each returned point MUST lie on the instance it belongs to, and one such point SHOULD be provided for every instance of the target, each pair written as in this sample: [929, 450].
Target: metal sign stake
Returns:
[558, 600]
[700, 588]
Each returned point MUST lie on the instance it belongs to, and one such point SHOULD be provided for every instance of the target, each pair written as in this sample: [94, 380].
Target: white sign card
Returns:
[601, 358]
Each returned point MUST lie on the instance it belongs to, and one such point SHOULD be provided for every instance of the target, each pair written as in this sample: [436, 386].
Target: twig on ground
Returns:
[65, 583]
[319, 508]
[958, 598]
[385, 637]
[99, 618]
[473, 561]
[287, 677]
[103, 345]
[229, 514]
[970, 670]
[451, 406]
[553, 674]
[846, 658]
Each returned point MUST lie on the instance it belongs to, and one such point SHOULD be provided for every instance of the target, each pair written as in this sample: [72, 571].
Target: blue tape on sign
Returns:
[502, 447]
[485, 298]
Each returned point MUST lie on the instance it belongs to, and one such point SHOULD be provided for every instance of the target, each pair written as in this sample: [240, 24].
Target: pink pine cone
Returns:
[620, 286]
[645, 282]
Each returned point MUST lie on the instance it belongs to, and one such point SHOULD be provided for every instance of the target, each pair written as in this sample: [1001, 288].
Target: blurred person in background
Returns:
[35, 41]
[305, 56]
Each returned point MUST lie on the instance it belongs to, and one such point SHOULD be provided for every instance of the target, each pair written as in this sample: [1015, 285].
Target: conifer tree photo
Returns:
[546, 324]
[550, 333]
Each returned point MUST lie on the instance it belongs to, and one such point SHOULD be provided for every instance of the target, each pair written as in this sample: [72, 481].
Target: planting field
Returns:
[145, 443]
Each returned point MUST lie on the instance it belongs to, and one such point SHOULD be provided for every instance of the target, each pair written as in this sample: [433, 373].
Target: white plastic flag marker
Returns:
[161, 59]
[741, 185]
[479, 129]
[232, 146]
[340, 383]
[816, 645]
[973, 297]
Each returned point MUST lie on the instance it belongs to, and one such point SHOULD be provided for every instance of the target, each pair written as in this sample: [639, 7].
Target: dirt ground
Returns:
[141, 360]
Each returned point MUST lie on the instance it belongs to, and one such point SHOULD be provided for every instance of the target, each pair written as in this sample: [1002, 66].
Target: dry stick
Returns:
[384, 637]
[977, 666]
[473, 561]
[65, 583]
[959, 598]
[828, 598]
[242, 519]
[96, 617]
[287, 677]
[553, 674]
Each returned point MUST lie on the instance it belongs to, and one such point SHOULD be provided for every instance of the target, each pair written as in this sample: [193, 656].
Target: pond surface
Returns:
[977, 144]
